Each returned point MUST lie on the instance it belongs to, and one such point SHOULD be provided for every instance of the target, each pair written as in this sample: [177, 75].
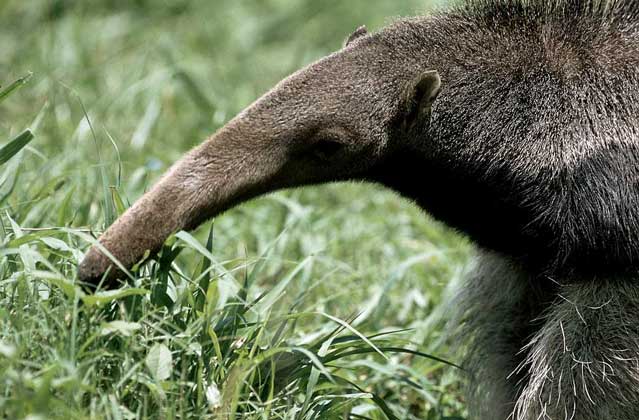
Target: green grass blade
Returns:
[9, 180]
[354, 331]
[206, 278]
[119, 205]
[360, 351]
[14, 146]
[103, 298]
[109, 216]
[4, 93]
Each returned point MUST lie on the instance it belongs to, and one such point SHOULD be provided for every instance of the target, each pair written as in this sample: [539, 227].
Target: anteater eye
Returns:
[326, 149]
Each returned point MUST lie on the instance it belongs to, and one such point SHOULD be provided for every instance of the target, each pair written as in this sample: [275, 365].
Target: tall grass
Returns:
[307, 304]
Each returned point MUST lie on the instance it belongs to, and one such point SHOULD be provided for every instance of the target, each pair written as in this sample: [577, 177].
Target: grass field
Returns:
[309, 304]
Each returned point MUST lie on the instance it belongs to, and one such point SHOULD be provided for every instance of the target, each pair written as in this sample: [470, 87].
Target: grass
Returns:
[308, 304]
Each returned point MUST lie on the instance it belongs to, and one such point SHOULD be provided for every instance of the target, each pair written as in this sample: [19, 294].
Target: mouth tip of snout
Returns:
[96, 271]
[88, 276]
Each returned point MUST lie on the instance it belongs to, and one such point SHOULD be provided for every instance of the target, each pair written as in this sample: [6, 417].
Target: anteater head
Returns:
[337, 119]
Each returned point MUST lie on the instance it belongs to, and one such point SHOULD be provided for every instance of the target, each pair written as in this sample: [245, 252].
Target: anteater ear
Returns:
[420, 96]
[359, 32]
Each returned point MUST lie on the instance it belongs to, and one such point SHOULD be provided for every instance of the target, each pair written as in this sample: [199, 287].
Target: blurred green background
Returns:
[154, 79]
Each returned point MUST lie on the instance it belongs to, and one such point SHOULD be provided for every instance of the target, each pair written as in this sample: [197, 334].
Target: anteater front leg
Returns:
[583, 364]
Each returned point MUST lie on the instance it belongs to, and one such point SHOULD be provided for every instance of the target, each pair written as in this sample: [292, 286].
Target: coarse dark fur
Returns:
[530, 149]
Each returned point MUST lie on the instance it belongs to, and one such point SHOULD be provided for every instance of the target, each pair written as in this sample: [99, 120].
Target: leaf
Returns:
[336, 356]
[9, 179]
[354, 331]
[160, 362]
[102, 298]
[109, 217]
[276, 293]
[65, 211]
[205, 281]
[232, 390]
[190, 240]
[314, 376]
[69, 289]
[124, 328]
[117, 201]
[24, 239]
[14, 146]
[15, 85]
[55, 243]
[146, 124]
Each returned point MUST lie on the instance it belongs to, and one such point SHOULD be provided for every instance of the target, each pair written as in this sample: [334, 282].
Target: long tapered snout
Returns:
[224, 170]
